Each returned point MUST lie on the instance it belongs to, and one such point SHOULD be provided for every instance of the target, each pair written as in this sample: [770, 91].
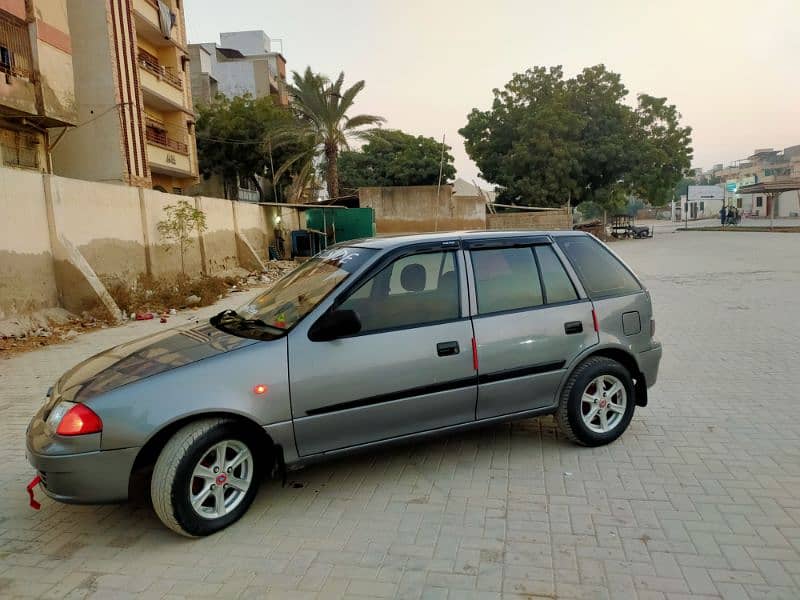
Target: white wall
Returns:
[236, 78]
[246, 42]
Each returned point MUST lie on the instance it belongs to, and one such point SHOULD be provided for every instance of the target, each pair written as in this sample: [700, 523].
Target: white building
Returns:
[244, 62]
[702, 202]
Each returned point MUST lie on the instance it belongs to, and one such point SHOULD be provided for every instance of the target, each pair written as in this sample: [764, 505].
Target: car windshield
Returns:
[278, 309]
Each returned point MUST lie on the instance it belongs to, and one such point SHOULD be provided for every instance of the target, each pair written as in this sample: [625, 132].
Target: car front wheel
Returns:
[205, 478]
[597, 403]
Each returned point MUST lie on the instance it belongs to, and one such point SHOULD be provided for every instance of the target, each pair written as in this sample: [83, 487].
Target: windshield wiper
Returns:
[230, 319]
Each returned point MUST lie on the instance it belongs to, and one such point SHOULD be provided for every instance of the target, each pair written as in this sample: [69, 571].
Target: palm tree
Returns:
[321, 107]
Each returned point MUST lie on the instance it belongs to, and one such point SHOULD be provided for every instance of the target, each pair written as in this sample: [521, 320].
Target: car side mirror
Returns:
[334, 325]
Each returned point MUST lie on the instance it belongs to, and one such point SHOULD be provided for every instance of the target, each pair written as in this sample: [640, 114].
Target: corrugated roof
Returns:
[230, 53]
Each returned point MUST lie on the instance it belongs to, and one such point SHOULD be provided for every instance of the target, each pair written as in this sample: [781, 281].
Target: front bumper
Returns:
[648, 363]
[97, 477]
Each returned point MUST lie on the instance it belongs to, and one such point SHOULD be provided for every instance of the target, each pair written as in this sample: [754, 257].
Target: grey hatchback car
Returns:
[370, 342]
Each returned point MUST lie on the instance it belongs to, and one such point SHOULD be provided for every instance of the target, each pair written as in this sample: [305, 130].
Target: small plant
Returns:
[182, 218]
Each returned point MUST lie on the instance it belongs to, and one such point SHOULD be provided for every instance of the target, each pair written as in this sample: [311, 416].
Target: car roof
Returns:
[395, 241]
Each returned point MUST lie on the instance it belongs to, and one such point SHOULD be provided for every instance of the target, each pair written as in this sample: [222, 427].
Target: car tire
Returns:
[199, 463]
[597, 403]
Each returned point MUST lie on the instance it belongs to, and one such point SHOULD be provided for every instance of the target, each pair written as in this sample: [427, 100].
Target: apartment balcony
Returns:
[162, 87]
[17, 86]
[146, 14]
[168, 150]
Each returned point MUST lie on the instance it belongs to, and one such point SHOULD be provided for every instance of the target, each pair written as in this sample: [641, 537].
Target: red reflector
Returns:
[594, 320]
[260, 389]
[34, 482]
[79, 420]
[474, 354]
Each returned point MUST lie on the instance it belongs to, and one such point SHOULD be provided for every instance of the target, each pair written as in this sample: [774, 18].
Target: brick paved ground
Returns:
[699, 499]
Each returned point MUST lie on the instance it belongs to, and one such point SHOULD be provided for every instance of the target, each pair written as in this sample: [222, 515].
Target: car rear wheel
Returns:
[597, 403]
[205, 477]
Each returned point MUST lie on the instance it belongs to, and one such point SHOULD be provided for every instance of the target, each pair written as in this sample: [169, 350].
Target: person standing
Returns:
[723, 214]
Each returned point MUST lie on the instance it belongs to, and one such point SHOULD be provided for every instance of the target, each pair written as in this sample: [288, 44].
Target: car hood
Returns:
[144, 358]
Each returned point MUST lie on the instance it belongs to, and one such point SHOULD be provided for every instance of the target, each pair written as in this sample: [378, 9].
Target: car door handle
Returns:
[573, 327]
[447, 348]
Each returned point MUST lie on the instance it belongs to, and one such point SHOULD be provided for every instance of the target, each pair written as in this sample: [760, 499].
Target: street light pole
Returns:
[438, 187]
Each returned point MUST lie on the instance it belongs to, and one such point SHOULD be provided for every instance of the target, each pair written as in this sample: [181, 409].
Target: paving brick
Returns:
[699, 499]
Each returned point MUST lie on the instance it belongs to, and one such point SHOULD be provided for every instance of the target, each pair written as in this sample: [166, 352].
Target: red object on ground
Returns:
[144, 316]
[34, 482]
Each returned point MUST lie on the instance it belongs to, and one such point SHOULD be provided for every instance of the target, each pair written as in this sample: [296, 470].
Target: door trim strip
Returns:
[422, 390]
[521, 372]
[445, 386]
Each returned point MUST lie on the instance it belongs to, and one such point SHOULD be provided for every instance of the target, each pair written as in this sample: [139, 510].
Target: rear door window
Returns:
[601, 273]
[506, 279]
[557, 284]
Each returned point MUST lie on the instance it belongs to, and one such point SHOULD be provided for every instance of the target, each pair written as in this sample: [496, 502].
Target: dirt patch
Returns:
[146, 294]
[48, 332]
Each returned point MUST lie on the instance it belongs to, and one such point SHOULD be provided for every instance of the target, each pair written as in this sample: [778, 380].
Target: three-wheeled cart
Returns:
[624, 226]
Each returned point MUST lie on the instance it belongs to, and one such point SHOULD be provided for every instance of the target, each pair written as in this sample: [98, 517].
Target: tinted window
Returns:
[506, 279]
[413, 290]
[557, 284]
[600, 272]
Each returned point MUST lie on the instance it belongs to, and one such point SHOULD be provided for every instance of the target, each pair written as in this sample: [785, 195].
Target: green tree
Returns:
[547, 138]
[234, 139]
[393, 157]
[321, 108]
[663, 150]
[181, 220]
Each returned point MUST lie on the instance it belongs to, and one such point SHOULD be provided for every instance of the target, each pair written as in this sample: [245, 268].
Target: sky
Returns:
[731, 67]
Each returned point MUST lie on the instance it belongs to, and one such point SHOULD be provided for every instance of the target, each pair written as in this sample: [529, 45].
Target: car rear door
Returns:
[530, 322]
[410, 369]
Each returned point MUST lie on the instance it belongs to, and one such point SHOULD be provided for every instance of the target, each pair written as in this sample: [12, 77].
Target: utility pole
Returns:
[438, 187]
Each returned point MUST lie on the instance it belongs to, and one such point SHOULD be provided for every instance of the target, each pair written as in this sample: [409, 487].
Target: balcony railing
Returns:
[15, 58]
[166, 136]
[150, 64]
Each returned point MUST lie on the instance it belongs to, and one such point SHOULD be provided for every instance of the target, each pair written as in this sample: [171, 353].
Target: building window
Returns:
[759, 202]
[738, 203]
[19, 150]
[702, 206]
[15, 47]
[178, 191]
[5, 59]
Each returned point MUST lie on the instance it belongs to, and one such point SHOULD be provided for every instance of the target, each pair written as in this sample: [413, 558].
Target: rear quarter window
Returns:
[601, 273]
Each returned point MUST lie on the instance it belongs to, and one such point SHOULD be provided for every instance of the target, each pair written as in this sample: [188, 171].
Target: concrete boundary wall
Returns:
[424, 208]
[541, 220]
[60, 238]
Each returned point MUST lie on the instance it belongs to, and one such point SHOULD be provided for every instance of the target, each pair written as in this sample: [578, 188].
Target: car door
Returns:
[410, 369]
[529, 320]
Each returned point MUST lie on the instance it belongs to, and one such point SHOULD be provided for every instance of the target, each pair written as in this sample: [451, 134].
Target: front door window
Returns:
[414, 290]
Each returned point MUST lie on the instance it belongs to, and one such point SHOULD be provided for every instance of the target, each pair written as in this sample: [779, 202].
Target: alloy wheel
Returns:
[603, 403]
[220, 479]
